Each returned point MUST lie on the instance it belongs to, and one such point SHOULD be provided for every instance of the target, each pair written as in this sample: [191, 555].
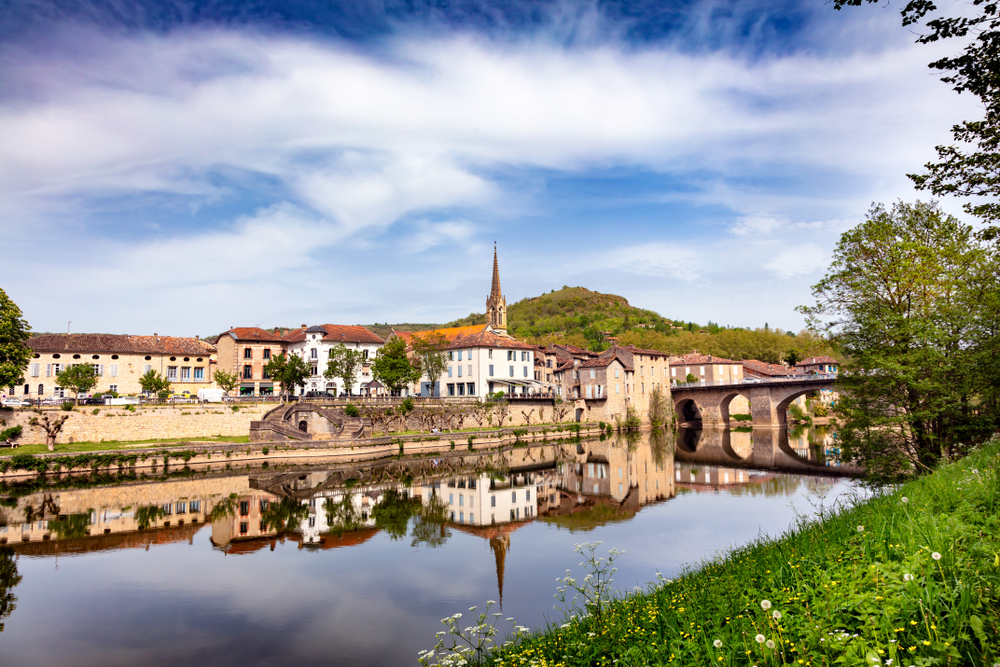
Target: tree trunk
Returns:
[50, 442]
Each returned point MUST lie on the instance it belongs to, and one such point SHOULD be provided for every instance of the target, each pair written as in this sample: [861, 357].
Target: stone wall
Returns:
[146, 423]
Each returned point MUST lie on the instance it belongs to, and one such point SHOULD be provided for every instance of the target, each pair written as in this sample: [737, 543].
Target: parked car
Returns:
[14, 402]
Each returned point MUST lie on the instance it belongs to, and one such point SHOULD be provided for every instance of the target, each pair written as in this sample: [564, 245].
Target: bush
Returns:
[130, 408]
[351, 410]
[265, 450]
[12, 433]
[163, 395]
[67, 406]
[234, 408]
[407, 405]
[741, 418]
[95, 411]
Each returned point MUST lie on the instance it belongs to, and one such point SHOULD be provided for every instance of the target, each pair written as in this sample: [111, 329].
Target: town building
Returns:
[119, 361]
[245, 351]
[705, 369]
[482, 359]
[753, 368]
[817, 365]
[315, 344]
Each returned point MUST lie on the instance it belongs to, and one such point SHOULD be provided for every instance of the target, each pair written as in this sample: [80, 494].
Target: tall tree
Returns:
[227, 381]
[431, 351]
[392, 367]
[79, 378]
[910, 300]
[289, 371]
[972, 167]
[344, 364]
[14, 335]
[154, 383]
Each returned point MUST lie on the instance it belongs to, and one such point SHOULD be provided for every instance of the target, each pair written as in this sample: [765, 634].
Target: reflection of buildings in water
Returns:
[741, 443]
[49, 516]
[244, 520]
[696, 475]
[492, 498]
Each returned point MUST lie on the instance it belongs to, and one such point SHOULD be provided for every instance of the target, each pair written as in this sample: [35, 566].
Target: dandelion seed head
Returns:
[907, 577]
[770, 643]
[861, 529]
[904, 499]
[936, 556]
[765, 604]
[760, 639]
[776, 614]
[717, 643]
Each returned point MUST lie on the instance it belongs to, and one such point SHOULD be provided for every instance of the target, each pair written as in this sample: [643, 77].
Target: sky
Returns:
[183, 167]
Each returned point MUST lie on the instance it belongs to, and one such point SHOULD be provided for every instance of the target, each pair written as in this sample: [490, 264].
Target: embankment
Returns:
[907, 577]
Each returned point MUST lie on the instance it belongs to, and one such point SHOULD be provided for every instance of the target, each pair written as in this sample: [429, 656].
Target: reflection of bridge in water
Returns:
[766, 448]
[769, 399]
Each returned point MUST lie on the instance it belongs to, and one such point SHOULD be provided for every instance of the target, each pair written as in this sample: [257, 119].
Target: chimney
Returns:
[304, 326]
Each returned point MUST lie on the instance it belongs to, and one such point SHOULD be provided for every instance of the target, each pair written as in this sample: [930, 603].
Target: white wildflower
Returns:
[905, 499]
[717, 643]
[861, 529]
[776, 615]
[760, 639]
[765, 604]
[936, 556]
[770, 643]
[907, 577]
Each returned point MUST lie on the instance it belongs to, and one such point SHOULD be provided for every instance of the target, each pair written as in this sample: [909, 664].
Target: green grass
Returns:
[112, 445]
[885, 582]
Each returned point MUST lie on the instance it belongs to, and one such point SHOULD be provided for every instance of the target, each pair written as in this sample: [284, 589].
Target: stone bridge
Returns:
[769, 399]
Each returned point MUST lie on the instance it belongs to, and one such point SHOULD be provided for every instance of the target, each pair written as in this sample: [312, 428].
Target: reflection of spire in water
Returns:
[500, 545]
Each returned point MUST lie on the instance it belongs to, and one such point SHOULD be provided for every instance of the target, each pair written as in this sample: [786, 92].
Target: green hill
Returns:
[578, 316]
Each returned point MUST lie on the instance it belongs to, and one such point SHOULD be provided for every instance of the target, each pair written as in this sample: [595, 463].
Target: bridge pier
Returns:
[768, 400]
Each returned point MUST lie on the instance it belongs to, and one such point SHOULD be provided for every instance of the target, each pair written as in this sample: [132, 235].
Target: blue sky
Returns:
[183, 167]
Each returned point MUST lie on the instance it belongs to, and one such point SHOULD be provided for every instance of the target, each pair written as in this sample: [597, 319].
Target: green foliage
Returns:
[154, 383]
[79, 377]
[392, 513]
[344, 364]
[406, 406]
[9, 578]
[14, 351]
[659, 409]
[741, 418]
[914, 303]
[71, 526]
[798, 414]
[12, 433]
[393, 369]
[342, 517]
[289, 371]
[284, 515]
[226, 381]
[430, 525]
[145, 516]
[67, 406]
[631, 422]
[351, 410]
[690, 378]
[908, 576]
[431, 351]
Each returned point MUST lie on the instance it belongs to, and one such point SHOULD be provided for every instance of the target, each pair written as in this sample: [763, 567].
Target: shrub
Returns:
[265, 450]
[95, 411]
[741, 418]
[67, 406]
[130, 408]
[351, 410]
[234, 408]
[12, 433]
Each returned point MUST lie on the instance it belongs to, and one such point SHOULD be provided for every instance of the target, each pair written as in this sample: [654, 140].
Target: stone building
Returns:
[706, 369]
[817, 365]
[119, 361]
[315, 344]
[245, 352]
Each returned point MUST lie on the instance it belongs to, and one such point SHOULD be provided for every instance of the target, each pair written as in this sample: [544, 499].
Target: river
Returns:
[356, 565]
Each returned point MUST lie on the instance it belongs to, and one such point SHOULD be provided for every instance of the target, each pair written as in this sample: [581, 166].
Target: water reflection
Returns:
[9, 578]
[402, 542]
[800, 449]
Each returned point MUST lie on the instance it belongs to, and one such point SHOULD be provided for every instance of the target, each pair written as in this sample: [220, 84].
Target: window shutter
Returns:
[114, 370]
[100, 371]
[48, 370]
[34, 370]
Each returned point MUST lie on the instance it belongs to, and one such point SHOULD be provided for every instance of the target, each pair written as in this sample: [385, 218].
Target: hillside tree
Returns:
[912, 299]
[14, 335]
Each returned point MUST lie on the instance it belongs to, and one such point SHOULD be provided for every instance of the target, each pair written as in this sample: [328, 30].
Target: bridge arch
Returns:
[782, 407]
[687, 410]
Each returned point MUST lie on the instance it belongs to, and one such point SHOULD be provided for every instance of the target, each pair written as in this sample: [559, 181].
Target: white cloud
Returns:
[802, 260]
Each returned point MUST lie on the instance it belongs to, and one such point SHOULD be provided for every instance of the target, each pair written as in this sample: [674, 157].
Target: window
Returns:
[57, 369]
[618, 388]
[673, 372]
[267, 353]
[181, 508]
[524, 356]
[513, 496]
[244, 507]
[314, 370]
[98, 368]
[491, 370]
[459, 371]
[113, 388]
[41, 389]
[168, 509]
[512, 515]
[701, 370]
[451, 498]
[247, 372]
[186, 373]
[114, 370]
[472, 517]
[171, 372]
[199, 373]
[451, 389]
[512, 371]
[364, 354]
[459, 355]
[525, 371]
[247, 353]
[314, 353]
[265, 375]
[35, 370]
[461, 386]
[244, 527]
[147, 368]
[489, 354]
[548, 363]
[461, 500]
[493, 501]
[449, 371]
[451, 355]
[527, 495]
[194, 506]
[510, 355]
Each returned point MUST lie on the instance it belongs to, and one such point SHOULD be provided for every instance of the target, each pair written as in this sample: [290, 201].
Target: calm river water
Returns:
[356, 565]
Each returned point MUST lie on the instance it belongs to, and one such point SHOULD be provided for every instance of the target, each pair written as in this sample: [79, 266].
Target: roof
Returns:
[763, 368]
[695, 358]
[335, 333]
[639, 350]
[120, 343]
[450, 333]
[600, 362]
[488, 338]
[812, 361]
[254, 334]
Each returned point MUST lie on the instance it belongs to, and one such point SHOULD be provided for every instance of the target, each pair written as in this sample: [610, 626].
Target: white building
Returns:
[316, 343]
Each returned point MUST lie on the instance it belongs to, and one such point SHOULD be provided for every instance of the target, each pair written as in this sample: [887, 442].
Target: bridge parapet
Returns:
[769, 399]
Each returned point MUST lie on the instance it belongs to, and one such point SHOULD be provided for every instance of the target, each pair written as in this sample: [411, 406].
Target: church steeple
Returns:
[500, 545]
[496, 304]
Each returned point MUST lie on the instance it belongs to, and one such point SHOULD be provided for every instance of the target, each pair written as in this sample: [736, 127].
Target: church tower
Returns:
[496, 305]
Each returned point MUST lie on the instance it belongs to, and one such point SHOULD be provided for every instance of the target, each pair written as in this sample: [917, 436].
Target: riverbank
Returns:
[910, 577]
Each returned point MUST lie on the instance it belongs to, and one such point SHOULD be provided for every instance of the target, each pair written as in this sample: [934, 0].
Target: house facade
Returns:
[245, 351]
[119, 361]
[706, 369]
[315, 344]
[817, 365]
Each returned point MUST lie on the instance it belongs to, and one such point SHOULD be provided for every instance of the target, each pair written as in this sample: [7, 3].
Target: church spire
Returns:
[500, 545]
[496, 304]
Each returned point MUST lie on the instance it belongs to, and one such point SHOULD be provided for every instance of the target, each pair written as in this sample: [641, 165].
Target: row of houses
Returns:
[481, 360]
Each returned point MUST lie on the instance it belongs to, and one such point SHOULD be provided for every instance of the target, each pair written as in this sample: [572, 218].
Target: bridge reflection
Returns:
[803, 450]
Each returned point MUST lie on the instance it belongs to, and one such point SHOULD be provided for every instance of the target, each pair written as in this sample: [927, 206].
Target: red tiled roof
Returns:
[120, 343]
[254, 334]
[695, 358]
[450, 333]
[600, 362]
[486, 338]
[764, 369]
[812, 361]
[335, 333]
[638, 350]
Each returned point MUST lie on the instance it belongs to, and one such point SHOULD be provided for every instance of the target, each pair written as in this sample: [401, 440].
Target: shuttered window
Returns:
[114, 370]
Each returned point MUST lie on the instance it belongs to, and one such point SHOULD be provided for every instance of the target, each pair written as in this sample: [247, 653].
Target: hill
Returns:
[578, 316]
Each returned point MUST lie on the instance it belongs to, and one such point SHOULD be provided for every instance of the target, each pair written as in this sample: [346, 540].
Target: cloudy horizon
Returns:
[185, 167]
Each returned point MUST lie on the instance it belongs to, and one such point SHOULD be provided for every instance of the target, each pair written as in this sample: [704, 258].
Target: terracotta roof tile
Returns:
[812, 361]
[120, 343]
[695, 358]
[254, 334]
[335, 333]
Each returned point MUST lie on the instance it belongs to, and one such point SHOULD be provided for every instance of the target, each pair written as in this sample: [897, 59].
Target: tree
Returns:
[226, 381]
[9, 578]
[79, 378]
[154, 383]
[793, 357]
[392, 513]
[14, 335]
[971, 169]
[430, 350]
[392, 367]
[51, 428]
[344, 364]
[289, 371]
[911, 298]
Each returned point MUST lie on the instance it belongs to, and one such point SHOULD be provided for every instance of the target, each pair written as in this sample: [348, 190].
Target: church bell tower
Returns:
[496, 305]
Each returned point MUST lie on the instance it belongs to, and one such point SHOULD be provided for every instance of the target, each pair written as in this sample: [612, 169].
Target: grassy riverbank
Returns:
[113, 445]
[905, 578]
